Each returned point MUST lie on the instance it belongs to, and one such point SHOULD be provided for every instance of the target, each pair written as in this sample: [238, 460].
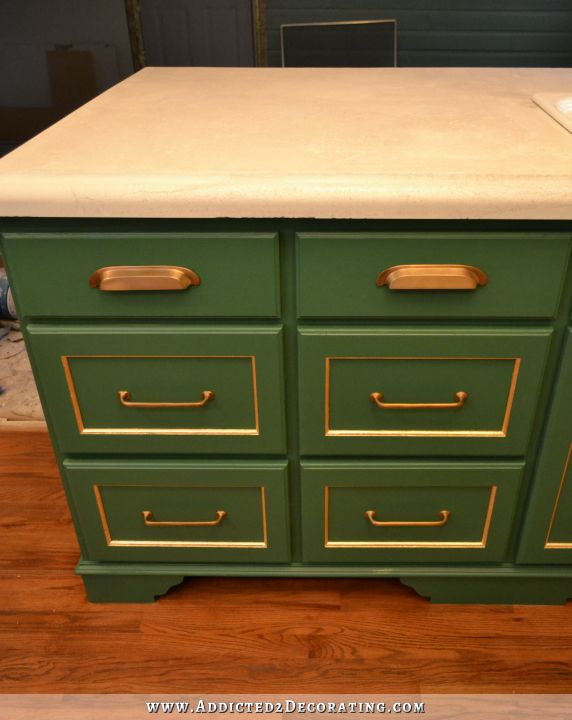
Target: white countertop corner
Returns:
[423, 143]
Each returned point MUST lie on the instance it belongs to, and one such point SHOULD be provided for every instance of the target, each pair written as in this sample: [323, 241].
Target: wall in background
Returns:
[198, 32]
[472, 33]
[55, 55]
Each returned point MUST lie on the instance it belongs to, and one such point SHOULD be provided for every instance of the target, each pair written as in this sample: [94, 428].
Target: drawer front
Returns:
[408, 512]
[181, 511]
[173, 389]
[547, 534]
[238, 274]
[413, 391]
[338, 274]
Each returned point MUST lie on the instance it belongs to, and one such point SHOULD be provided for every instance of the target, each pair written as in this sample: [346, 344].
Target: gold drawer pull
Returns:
[148, 520]
[143, 277]
[125, 399]
[444, 515]
[377, 398]
[432, 277]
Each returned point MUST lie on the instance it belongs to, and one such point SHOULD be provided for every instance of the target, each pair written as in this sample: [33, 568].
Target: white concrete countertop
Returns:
[324, 143]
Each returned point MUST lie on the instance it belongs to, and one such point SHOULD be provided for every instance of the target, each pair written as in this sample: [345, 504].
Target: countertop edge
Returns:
[371, 197]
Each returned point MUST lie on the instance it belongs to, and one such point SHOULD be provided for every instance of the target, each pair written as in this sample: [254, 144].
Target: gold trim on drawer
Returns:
[179, 543]
[479, 544]
[159, 431]
[502, 432]
[552, 545]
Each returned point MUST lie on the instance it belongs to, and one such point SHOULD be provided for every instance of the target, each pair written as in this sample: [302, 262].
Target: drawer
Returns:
[177, 511]
[419, 391]
[408, 512]
[338, 274]
[238, 274]
[142, 389]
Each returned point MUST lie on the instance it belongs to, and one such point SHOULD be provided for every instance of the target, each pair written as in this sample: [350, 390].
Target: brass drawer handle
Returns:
[143, 277]
[148, 520]
[444, 515]
[377, 398]
[432, 277]
[125, 399]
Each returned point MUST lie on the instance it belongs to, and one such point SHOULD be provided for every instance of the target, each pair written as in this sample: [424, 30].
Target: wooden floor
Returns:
[231, 635]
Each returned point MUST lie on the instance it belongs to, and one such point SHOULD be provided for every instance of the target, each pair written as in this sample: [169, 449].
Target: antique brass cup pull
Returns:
[432, 277]
[444, 515]
[377, 398]
[148, 520]
[124, 278]
[125, 399]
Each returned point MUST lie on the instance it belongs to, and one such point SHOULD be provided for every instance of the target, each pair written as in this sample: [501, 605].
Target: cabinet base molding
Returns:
[128, 587]
[509, 585]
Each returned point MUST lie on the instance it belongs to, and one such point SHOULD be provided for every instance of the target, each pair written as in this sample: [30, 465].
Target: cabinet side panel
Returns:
[547, 533]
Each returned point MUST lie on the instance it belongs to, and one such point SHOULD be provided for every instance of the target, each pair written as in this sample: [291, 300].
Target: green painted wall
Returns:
[466, 33]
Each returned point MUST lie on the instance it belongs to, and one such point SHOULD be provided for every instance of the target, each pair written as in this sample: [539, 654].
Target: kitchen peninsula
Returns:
[306, 322]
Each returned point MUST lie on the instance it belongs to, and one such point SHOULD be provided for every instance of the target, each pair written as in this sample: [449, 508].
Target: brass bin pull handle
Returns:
[119, 278]
[148, 520]
[432, 277]
[125, 399]
[444, 515]
[377, 398]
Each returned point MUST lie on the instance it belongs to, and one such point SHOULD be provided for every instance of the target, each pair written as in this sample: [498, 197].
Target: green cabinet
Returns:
[547, 532]
[181, 511]
[419, 391]
[338, 272]
[408, 512]
[175, 389]
[237, 273]
[259, 397]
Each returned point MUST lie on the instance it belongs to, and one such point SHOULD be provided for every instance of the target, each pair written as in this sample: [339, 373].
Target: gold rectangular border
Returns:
[180, 543]
[559, 545]
[405, 544]
[422, 433]
[159, 431]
